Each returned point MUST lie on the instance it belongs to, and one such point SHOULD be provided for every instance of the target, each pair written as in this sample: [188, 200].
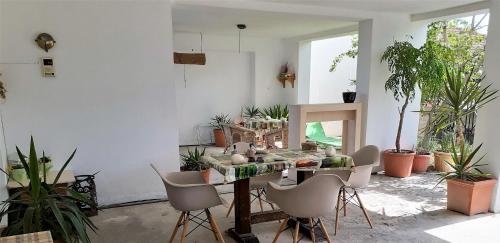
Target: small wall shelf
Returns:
[290, 77]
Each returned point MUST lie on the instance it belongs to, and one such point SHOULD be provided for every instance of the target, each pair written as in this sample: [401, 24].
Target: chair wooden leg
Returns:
[313, 235]
[363, 208]
[282, 227]
[215, 227]
[259, 196]
[185, 227]
[344, 199]
[323, 229]
[337, 214]
[296, 234]
[209, 216]
[230, 208]
[181, 218]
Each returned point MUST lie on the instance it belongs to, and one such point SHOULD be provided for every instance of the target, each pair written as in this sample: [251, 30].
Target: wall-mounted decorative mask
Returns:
[45, 41]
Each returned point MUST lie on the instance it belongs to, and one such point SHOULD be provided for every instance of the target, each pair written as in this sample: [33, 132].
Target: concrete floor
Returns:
[402, 210]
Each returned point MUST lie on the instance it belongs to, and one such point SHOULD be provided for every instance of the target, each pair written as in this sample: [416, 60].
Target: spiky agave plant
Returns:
[275, 112]
[252, 112]
[192, 160]
[40, 208]
[464, 166]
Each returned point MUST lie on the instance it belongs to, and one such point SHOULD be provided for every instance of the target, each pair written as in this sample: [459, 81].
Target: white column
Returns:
[487, 130]
[3, 152]
[380, 110]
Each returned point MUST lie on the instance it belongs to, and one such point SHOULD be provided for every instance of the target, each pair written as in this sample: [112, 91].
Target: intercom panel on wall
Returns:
[48, 69]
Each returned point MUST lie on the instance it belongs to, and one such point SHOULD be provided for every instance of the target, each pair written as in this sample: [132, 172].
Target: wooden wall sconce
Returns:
[190, 58]
[290, 77]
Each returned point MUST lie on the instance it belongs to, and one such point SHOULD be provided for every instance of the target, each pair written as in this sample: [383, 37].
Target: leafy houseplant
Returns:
[348, 96]
[40, 207]
[192, 162]
[403, 63]
[218, 122]
[469, 189]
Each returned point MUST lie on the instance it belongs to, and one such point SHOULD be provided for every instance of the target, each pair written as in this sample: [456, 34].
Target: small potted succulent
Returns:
[218, 122]
[469, 190]
[192, 162]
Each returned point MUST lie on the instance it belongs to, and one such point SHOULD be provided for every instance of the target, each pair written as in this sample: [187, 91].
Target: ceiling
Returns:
[401, 6]
[259, 23]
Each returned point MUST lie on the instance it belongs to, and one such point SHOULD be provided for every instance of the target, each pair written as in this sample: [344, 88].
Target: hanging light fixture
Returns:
[240, 27]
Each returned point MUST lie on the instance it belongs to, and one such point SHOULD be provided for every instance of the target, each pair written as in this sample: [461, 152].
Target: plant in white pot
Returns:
[403, 62]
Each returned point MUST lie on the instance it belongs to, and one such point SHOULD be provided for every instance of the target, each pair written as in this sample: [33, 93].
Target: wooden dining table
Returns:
[273, 161]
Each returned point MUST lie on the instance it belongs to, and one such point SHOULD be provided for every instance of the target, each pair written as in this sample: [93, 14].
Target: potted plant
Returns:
[192, 162]
[41, 208]
[423, 155]
[464, 93]
[443, 152]
[403, 63]
[469, 190]
[218, 122]
[350, 96]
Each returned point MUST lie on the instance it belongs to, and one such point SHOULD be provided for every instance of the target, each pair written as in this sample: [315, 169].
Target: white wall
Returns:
[223, 85]
[113, 97]
[326, 86]
[229, 80]
[380, 110]
[3, 153]
[487, 131]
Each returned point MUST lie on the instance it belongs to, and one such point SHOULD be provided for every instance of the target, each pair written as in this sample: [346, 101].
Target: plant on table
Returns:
[275, 112]
[192, 162]
[403, 61]
[252, 112]
[466, 178]
[41, 208]
[218, 122]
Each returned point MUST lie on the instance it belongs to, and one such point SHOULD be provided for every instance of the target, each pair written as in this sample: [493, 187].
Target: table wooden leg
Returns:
[242, 231]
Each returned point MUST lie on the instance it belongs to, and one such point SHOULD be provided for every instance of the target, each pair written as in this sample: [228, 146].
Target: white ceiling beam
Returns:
[468, 9]
[337, 32]
[338, 13]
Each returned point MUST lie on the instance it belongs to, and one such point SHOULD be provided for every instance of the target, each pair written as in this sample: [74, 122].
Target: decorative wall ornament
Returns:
[45, 41]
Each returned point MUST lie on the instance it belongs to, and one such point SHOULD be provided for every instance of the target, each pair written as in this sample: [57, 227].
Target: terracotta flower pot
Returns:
[220, 141]
[398, 164]
[206, 175]
[469, 197]
[420, 163]
[439, 161]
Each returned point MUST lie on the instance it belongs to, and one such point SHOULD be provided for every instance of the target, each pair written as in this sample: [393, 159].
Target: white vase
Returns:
[330, 151]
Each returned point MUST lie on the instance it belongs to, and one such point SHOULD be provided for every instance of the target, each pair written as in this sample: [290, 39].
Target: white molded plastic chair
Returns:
[188, 192]
[312, 199]
[358, 177]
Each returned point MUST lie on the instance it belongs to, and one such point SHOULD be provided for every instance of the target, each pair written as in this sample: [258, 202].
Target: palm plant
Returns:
[460, 97]
[403, 61]
[40, 208]
[218, 121]
[192, 160]
[275, 112]
[252, 112]
[464, 166]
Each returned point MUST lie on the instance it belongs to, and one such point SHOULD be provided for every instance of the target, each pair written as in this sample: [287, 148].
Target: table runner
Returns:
[274, 161]
[38, 237]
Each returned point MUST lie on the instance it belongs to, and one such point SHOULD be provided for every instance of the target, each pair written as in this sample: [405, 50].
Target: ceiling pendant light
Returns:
[240, 27]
